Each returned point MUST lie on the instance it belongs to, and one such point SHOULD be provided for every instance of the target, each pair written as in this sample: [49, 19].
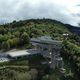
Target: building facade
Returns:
[49, 49]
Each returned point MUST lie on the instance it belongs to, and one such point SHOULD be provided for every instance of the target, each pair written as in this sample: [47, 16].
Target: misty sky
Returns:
[66, 11]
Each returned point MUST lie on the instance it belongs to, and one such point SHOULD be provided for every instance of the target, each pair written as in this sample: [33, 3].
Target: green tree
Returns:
[33, 73]
[46, 77]
[15, 42]
[24, 76]
[5, 45]
[24, 38]
[10, 41]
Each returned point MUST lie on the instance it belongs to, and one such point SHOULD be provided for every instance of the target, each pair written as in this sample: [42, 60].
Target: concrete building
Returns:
[49, 49]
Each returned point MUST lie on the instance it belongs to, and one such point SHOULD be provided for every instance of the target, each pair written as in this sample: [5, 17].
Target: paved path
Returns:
[13, 67]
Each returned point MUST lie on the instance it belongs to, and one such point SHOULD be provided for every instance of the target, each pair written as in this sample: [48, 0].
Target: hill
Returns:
[73, 29]
[17, 34]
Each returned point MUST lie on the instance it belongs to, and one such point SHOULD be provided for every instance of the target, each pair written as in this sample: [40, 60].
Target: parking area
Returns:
[4, 59]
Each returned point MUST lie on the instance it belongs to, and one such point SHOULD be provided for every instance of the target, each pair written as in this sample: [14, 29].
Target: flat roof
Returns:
[45, 40]
[22, 53]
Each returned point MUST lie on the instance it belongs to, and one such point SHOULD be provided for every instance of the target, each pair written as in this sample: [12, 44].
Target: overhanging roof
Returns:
[22, 53]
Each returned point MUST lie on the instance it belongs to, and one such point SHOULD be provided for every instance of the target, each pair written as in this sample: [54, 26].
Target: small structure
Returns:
[49, 49]
[65, 35]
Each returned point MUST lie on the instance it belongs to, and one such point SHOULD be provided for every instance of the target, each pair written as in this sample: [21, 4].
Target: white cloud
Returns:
[66, 11]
